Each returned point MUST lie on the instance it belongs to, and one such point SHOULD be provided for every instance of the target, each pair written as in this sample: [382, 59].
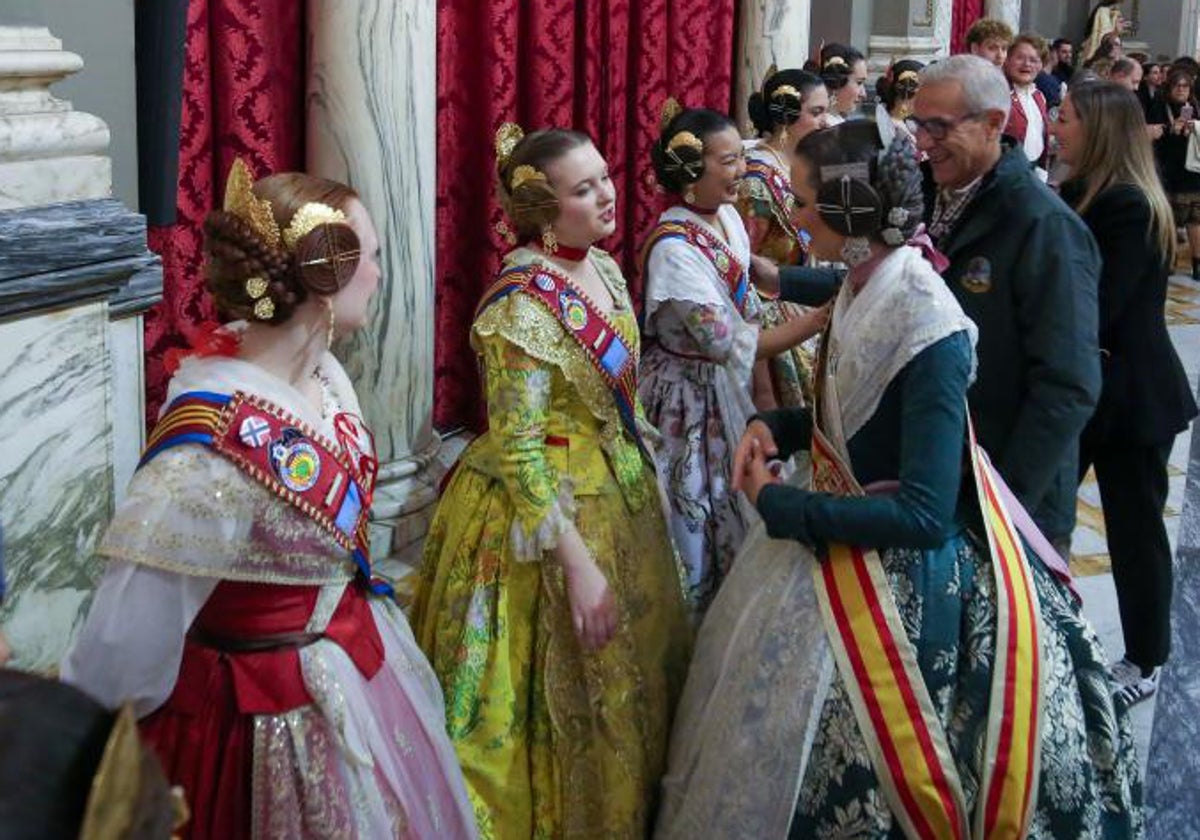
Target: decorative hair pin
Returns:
[785, 90]
[685, 138]
[310, 216]
[908, 76]
[670, 110]
[835, 61]
[508, 135]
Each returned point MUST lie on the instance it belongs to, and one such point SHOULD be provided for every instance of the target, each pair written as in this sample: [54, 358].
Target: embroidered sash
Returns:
[332, 483]
[781, 194]
[878, 663]
[734, 275]
[599, 340]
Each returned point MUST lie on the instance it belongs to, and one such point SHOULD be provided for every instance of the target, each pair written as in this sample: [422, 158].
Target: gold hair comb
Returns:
[835, 61]
[785, 90]
[670, 110]
[908, 75]
[525, 173]
[508, 135]
[685, 138]
[309, 216]
[241, 201]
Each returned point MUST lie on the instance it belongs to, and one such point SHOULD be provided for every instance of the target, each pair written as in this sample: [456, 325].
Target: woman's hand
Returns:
[765, 274]
[1155, 130]
[818, 318]
[593, 608]
[757, 473]
[757, 434]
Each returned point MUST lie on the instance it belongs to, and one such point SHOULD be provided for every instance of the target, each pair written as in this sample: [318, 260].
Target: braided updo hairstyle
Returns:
[892, 89]
[768, 110]
[894, 181]
[534, 204]
[684, 165]
[322, 261]
[837, 65]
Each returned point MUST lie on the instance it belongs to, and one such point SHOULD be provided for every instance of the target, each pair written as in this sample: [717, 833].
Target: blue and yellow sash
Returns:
[320, 478]
[601, 343]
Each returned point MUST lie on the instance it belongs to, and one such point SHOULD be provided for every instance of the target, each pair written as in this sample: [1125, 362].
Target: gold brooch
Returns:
[264, 309]
[256, 287]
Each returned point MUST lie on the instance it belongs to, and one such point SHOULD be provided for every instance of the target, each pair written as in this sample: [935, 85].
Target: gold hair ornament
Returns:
[256, 287]
[685, 138]
[241, 201]
[785, 90]
[670, 110]
[508, 135]
[264, 309]
[907, 76]
[525, 173]
[835, 61]
[310, 216]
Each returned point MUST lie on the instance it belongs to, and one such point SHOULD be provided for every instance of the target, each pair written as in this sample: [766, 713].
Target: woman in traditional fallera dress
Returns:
[550, 601]
[277, 681]
[852, 676]
[703, 339]
[791, 105]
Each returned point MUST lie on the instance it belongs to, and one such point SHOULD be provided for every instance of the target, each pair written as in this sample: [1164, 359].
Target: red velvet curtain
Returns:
[602, 66]
[243, 96]
[966, 12]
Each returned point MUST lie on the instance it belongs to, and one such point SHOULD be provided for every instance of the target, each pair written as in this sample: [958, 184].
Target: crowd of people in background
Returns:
[885, 331]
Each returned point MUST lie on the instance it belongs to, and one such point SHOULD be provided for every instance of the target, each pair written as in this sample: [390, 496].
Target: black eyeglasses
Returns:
[938, 128]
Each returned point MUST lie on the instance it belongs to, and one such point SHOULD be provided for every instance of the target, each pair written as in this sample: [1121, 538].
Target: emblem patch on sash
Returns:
[977, 278]
[544, 282]
[295, 461]
[573, 311]
[254, 432]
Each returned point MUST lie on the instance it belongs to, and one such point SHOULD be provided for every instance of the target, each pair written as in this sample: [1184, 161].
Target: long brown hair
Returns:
[1118, 151]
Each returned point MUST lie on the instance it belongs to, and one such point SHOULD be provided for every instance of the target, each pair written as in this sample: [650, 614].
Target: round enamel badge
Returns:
[722, 261]
[574, 312]
[544, 282]
[295, 461]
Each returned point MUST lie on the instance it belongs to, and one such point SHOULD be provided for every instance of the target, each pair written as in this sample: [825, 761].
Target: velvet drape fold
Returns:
[965, 13]
[601, 66]
[243, 96]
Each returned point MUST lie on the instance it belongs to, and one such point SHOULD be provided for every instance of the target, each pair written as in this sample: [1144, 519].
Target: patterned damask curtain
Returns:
[602, 66]
[243, 96]
[966, 12]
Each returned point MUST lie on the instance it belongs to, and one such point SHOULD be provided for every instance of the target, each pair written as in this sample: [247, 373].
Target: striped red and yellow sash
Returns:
[878, 663]
[781, 193]
[734, 275]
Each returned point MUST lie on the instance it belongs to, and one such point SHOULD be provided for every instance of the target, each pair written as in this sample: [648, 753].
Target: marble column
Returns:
[1008, 11]
[372, 123]
[771, 32]
[915, 29]
[75, 276]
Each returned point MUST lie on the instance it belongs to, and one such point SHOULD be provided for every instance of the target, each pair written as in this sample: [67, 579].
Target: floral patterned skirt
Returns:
[553, 742]
[701, 414]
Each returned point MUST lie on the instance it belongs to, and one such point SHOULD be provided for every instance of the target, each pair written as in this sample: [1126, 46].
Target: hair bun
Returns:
[850, 206]
[326, 257]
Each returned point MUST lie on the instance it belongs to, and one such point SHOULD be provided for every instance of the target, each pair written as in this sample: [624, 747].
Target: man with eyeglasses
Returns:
[1025, 269]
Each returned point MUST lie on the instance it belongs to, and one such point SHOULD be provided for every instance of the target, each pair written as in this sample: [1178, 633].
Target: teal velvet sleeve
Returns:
[931, 391]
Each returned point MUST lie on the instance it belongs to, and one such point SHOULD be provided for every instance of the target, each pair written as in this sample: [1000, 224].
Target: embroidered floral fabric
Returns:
[552, 742]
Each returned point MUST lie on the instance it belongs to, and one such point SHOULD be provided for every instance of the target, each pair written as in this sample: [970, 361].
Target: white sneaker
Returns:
[1130, 687]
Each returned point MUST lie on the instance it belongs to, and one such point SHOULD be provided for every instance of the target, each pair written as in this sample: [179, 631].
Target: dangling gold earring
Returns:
[549, 240]
[689, 196]
[332, 323]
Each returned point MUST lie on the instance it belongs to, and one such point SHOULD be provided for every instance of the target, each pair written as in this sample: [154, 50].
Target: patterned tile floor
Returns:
[1089, 552]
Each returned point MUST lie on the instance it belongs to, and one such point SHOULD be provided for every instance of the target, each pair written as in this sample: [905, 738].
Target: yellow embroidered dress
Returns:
[553, 742]
[766, 206]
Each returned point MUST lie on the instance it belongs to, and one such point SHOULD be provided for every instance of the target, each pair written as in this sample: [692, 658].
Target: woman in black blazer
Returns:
[1146, 399]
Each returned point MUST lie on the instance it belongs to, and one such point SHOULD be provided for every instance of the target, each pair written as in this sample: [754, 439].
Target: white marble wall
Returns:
[56, 490]
[771, 32]
[48, 152]
[1008, 11]
[372, 122]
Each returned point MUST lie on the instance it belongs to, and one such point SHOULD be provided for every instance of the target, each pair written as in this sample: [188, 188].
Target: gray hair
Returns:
[983, 85]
